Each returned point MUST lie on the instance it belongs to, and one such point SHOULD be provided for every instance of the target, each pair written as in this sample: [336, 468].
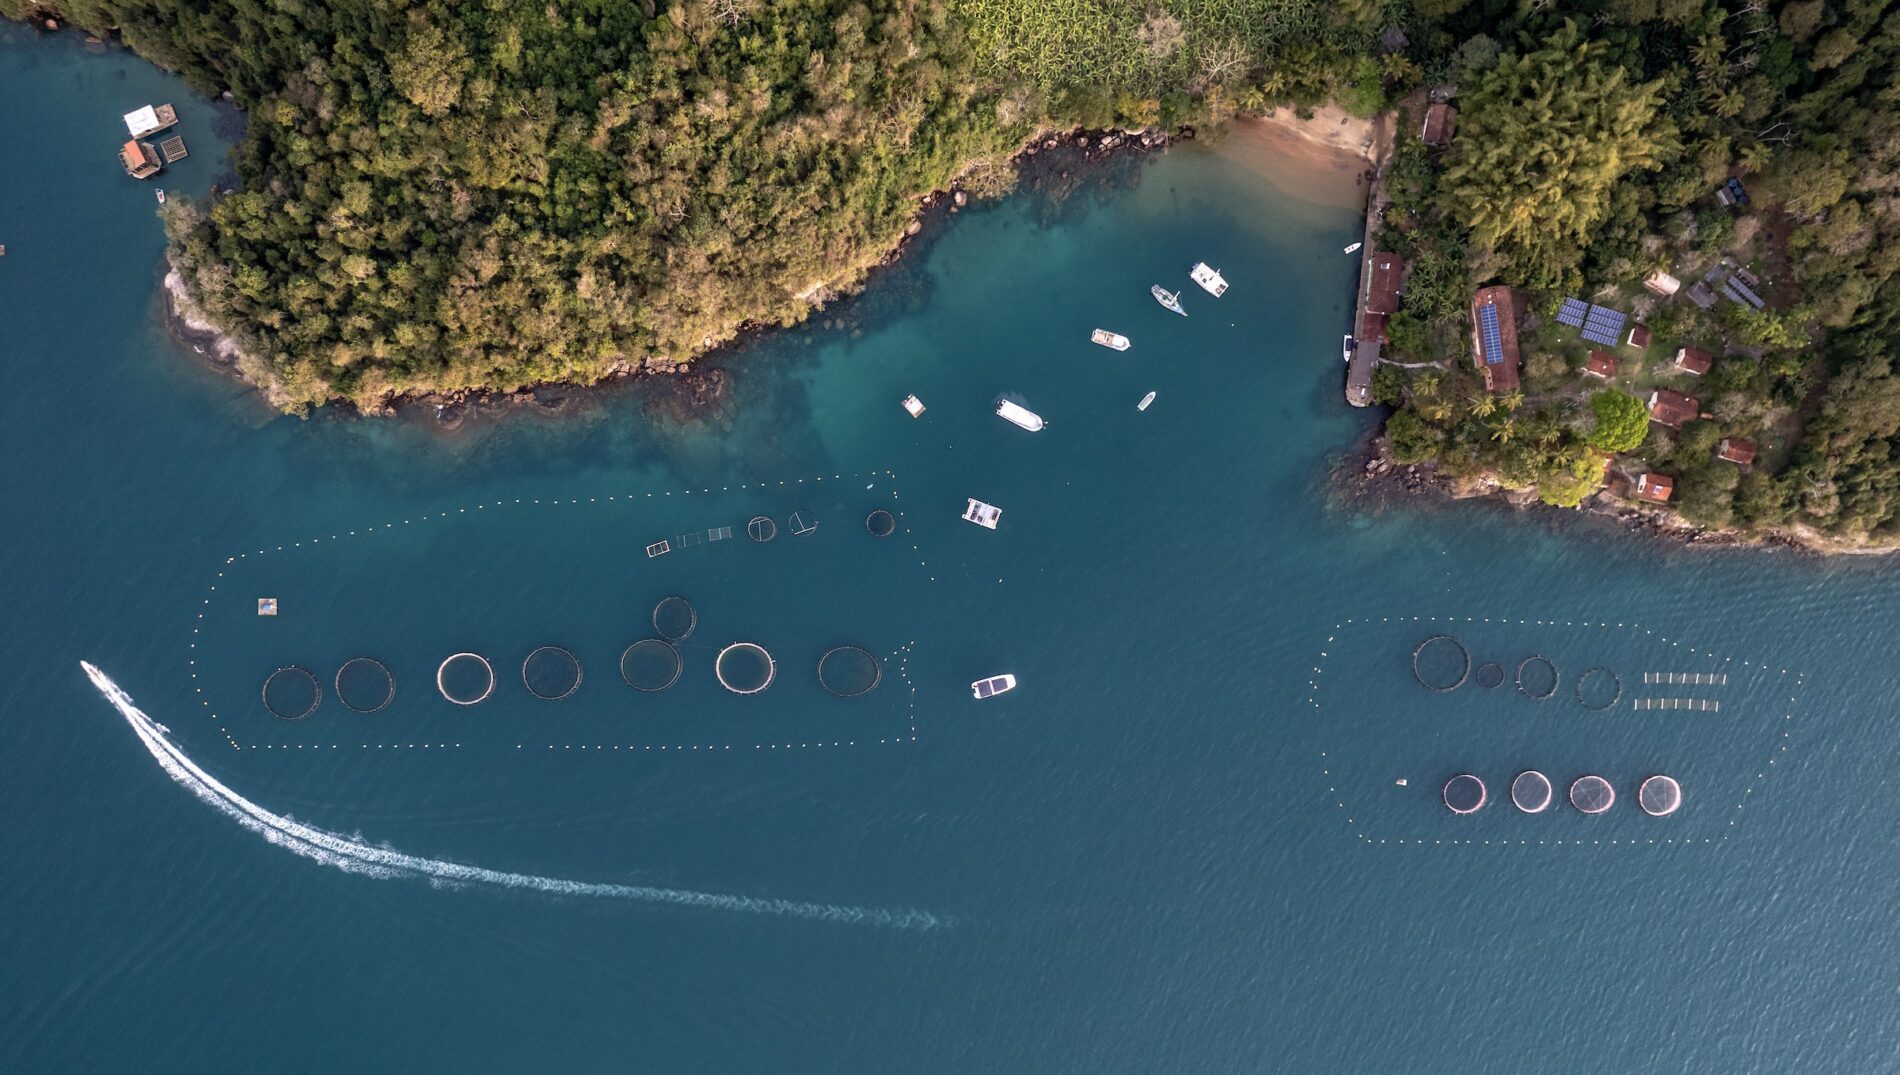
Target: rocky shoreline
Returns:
[1368, 476]
[1047, 154]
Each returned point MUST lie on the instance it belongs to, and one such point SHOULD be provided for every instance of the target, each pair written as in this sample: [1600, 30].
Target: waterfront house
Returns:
[1494, 337]
[1440, 118]
[1600, 364]
[1655, 488]
[1692, 360]
[1737, 450]
[140, 159]
[1384, 285]
[1662, 283]
[1639, 336]
[150, 120]
[1672, 408]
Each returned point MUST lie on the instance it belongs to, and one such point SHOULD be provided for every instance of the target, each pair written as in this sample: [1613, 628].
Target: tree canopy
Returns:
[1622, 421]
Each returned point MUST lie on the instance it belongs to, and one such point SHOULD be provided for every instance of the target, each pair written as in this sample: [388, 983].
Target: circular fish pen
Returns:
[365, 685]
[1531, 792]
[849, 671]
[551, 673]
[651, 665]
[1489, 674]
[1433, 664]
[465, 678]
[1659, 796]
[801, 524]
[1592, 794]
[1464, 794]
[674, 618]
[745, 668]
[292, 692]
[881, 523]
[1599, 688]
[1537, 677]
[761, 529]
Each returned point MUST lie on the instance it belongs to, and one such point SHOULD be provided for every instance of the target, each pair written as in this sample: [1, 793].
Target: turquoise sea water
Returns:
[1179, 845]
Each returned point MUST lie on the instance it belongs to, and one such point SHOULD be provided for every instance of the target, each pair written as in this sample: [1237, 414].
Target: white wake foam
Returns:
[354, 856]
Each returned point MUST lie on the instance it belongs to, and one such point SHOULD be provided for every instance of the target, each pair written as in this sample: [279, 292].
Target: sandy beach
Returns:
[1323, 159]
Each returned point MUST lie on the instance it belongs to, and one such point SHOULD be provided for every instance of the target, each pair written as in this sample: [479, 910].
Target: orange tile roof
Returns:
[1655, 488]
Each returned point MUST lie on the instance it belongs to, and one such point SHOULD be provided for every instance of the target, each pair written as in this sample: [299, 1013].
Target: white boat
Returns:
[1019, 416]
[1210, 279]
[1114, 340]
[1345, 347]
[914, 406]
[1353, 248]
[984, 515]
[1145, 400]
[993, 686]
[161, 197]
[1172, 300]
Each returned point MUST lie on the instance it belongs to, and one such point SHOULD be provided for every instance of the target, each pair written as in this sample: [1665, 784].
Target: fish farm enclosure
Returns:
[1501, 730]
[738, 657]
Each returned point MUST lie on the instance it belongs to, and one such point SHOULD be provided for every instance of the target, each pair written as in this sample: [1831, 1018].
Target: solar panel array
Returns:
[1741, 292]
[1488, 328]
[1599, 324]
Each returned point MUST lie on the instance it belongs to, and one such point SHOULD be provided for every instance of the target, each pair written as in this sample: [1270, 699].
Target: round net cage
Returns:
[365, 685]
[1592, 794]
[651, 664]
[1599, 688]
[465, 678]
[1537, 677]
[881, 523]
[292, 692]
[1464, 794]
[761, 528]
[849, 671]
[1489, 674]
[1659, 796]
[1441, 663]
[674, 618]
[1531, 792]
[801, 523]
[551, 673]
[744, 668]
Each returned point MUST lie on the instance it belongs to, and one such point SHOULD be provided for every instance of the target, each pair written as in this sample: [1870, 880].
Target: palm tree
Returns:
[1484, 405]
[1504, 431]
[1756, 156]
[1512, 400]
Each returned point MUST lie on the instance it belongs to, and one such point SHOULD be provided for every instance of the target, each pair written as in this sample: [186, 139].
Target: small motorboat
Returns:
[1113, 340]
[1172, 300]
[161, 196]
[1145, 400]
[1020, 416]
[914, 406]
[1345, 347]
[1210, 279]
[993, 686]
[984, 515]
[1354, 248]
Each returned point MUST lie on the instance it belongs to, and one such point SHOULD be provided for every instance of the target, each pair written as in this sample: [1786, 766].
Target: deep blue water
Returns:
[1178, 845]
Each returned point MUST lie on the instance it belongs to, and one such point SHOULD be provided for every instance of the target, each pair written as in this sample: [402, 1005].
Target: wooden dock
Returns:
[173, 149]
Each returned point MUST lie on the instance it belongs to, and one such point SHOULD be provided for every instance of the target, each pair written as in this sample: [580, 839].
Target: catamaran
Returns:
[1172, 300]
[1019, 416]
[1210, 279]
[1113, 340]
[993, 686]
[984, 515]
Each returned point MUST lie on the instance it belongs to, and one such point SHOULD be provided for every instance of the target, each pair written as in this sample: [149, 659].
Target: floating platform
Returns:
[267, 606]
[984, 515]
[1699, 705]
[173, 149]
[1693, 679]
[914, 406]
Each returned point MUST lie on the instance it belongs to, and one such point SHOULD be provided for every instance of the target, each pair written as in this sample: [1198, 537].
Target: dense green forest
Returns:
[497, 193]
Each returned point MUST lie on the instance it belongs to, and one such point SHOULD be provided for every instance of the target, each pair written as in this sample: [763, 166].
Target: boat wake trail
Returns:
[354, 856]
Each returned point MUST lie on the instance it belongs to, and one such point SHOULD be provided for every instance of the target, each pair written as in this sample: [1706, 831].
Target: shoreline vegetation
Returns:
[447, 202]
